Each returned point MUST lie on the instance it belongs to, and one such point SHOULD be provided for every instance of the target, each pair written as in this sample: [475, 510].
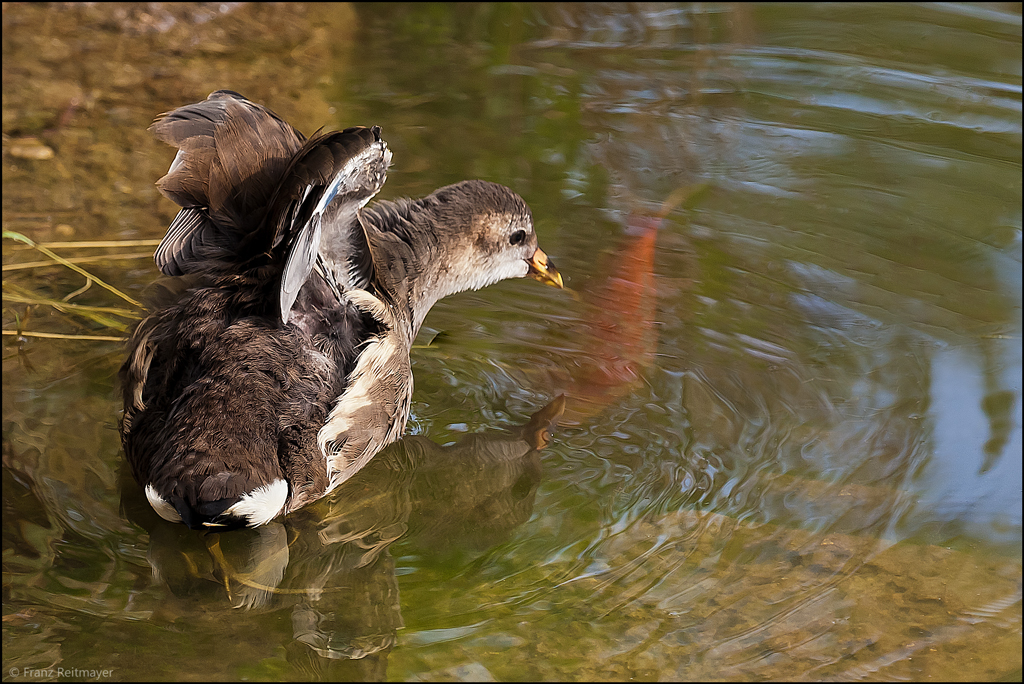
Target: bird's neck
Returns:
[413, 268]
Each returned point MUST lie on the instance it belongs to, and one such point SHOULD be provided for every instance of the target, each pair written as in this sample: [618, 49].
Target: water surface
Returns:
[790, 353]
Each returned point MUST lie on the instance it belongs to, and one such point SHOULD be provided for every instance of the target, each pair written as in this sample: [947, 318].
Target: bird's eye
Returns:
[517, 237]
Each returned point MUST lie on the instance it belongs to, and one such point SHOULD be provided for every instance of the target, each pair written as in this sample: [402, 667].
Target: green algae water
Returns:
[788, 444]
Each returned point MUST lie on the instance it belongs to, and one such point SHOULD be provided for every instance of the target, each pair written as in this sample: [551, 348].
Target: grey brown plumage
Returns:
[275, 363]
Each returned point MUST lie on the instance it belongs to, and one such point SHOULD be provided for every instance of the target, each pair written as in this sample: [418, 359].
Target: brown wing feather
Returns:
[232, 155]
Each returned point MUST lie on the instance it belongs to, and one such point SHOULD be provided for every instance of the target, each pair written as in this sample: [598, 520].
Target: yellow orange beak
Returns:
[543, 270]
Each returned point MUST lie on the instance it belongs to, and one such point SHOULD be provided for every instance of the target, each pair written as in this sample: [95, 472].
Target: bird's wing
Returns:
[232, 155]
[316, 209]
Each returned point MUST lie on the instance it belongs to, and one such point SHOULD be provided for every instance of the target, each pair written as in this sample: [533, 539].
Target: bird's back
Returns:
[222, 397]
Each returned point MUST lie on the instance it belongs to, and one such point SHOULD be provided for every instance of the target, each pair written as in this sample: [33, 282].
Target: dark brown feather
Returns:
[232, 156]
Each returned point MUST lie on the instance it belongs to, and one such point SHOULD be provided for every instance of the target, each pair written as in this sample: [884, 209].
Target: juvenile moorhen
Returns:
[274, 360]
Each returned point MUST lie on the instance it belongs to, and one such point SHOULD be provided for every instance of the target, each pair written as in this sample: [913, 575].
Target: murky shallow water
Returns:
[791, 441]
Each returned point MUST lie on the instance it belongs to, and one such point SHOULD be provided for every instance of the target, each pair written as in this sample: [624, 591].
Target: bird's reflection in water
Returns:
[329, 564]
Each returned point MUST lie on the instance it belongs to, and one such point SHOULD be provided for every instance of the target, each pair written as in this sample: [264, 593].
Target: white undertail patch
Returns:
[164, 509]
[262, 504]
